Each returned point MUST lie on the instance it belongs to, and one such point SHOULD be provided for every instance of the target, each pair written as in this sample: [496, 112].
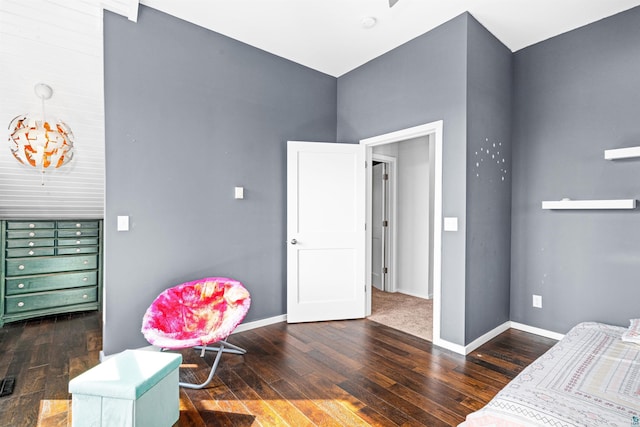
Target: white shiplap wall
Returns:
[58, 42]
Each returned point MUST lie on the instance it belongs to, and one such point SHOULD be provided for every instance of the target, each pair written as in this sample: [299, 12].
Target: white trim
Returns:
[241, 328]
[456, 348]
[537, 331]
[260, 323]
[487, 337]
[132, 10]
[464, 350]
[413, 294]
[433, 129]
[589, 204]
[622, 153]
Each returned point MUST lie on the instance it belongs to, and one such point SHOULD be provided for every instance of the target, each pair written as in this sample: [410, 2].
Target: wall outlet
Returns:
[537, 301]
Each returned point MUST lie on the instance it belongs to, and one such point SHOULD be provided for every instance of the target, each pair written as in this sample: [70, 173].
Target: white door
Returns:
[325, 231]
[378, 227]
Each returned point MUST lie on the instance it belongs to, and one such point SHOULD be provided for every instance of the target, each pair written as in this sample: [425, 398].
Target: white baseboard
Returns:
[464, 350]
[537, 331]
[412, 294]
[486, 337]
[456, 348]
[241, 328]
[259, 323]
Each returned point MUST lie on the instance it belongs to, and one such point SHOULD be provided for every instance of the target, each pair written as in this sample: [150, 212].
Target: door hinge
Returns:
[385, 177]
[385, 223]
[384, 270]
[365, 164]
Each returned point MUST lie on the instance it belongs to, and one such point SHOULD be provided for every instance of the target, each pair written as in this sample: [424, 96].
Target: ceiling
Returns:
[328, 35]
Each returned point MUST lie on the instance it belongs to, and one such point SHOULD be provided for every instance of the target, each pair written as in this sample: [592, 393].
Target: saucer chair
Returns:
[196, 314]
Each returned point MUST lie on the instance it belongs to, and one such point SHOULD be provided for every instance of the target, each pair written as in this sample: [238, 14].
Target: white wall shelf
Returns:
[622, 153]
[590, 204]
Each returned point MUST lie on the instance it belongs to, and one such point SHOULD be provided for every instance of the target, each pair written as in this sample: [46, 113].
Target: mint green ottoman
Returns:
[135, 388]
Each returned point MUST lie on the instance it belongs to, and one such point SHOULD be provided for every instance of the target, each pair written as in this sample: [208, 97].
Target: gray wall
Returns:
[575, 96]
[189, 115]
[419, 82]
[489, 84]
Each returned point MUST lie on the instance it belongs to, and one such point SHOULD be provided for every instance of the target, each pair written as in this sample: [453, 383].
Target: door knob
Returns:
[294, 241]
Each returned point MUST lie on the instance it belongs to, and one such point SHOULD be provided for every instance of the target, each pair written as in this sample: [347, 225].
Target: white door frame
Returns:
[390, 285]
[434, 131]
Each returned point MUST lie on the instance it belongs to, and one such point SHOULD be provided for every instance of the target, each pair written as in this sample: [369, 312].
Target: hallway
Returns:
[407, 313]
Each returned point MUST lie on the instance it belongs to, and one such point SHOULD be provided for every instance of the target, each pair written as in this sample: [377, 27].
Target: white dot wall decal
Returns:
[492, 149]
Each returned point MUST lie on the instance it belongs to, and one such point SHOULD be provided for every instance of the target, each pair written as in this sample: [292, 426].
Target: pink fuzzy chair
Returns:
[196, 314]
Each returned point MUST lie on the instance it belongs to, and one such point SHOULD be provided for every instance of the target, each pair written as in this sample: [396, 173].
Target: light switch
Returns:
[239, 192]
[123, 223]
[450, 224]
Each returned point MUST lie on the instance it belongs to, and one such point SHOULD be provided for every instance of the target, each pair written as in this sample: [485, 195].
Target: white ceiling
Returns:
[327, 35]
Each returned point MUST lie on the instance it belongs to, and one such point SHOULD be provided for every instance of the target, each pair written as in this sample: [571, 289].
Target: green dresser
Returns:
[49, 267]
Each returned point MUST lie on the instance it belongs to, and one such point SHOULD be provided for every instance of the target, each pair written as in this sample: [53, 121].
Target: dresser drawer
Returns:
[29, 243]
[29, 252]
[26, 266]
[91, 232]
[78, 224]
[30, 234]
[11, 225]
[44, 300]
[49, 282]
[74, 250]
[78, 241]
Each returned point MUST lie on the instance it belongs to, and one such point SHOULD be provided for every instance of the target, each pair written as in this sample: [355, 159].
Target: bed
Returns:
[589, 378]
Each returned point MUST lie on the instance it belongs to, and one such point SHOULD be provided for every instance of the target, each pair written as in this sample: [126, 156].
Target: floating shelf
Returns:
[590, 204]
[622, 153]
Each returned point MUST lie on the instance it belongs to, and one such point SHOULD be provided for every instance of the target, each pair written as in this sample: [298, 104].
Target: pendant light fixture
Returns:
[38, 143]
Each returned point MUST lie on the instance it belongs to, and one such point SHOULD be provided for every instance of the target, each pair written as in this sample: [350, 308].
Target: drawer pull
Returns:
[31, 252]
[84, 279]
[78, 250]
[32, 226]
[21, 267]
[20, 285]
[77, 242]
[32, 244]
[78, 233]
[85, 296]
[78, 225]
[85, 262]
[32, 234]
[20, 304]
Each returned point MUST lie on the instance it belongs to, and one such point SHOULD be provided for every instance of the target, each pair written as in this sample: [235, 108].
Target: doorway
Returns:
[411, 198]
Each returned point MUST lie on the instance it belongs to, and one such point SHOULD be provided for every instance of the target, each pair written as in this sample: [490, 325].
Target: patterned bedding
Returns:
[589, 378]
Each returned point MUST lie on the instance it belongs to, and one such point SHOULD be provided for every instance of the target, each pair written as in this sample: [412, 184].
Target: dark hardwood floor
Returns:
[348, 373]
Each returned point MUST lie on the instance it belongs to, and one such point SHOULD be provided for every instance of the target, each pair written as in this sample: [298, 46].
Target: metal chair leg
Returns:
[224, 347]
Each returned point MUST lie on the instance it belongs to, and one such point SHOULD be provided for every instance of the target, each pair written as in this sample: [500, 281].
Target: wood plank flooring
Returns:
[348, 373]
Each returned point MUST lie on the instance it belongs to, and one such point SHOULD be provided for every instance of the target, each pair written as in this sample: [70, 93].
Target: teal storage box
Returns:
[135, 388]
